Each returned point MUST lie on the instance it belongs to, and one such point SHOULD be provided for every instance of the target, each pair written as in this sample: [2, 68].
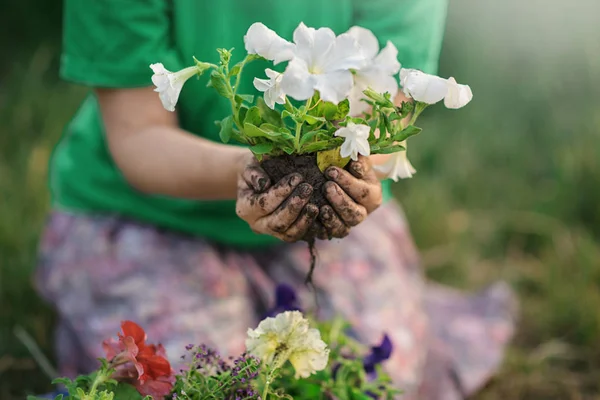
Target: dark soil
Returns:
[306, 165]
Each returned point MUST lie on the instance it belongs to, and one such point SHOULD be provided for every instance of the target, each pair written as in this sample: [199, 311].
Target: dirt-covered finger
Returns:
[350, 211]
[333, 223]
[287, 213]
[362, 168]
[256, 178]
[303, 223]
[362, 192]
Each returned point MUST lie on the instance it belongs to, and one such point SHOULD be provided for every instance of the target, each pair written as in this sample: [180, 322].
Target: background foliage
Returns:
[507, 188]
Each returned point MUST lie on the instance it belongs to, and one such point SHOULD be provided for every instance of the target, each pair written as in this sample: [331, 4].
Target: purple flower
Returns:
[378, 355]
[286, 299]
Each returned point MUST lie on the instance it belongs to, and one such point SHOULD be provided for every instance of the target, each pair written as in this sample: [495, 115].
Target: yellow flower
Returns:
[288, 337]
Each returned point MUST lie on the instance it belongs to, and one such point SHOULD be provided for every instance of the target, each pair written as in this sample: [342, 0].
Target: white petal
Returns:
[362, 131]
[314, 46]
[387, 60]
[423, 87]
[397, 166]
[266, 43]
[262, 85]
[369, 45]
[363, 147]
[272, 74]
[357, 106]
[297, 82]
[334, 86]
[346, 54]
[458, 95]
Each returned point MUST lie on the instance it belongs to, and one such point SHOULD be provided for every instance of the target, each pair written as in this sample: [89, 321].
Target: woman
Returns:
[144, 223]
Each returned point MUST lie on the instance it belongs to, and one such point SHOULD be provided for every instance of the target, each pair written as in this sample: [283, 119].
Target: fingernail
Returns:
[332, 173]
[312, 211]
[295, 180]
[262, 182]
[326, 214]
[305, 190]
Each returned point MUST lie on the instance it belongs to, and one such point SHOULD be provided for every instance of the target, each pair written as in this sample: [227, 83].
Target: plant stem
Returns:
[419, 108]
[297, 137]
[100, 378]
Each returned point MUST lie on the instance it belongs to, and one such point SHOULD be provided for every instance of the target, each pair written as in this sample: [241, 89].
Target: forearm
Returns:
[166, 160]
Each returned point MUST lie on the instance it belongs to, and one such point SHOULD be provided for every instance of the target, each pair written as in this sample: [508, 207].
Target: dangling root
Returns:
[313, 261]
[309, 277]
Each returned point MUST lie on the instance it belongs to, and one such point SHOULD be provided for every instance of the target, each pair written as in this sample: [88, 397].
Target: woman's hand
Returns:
[353, 195]
[279, 210]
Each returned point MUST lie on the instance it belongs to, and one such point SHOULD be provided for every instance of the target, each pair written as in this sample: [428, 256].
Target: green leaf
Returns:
[308, 136]
[287, 114]
[268, 115]
[288, 149]
[328, 110]
[235, 70]
[240, 98]
[125, 391]
[407, 132]
[262, 148]
[254, 131]
[242, 113]
[388, 150]
[218, 81]
[311, 120]
[343, 108]
[322, 145]
[253, 117]
[226, 129]
[406, 108]
[381, 99]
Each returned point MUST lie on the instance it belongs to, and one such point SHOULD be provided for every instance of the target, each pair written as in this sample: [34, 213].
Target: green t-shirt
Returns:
[111, 43]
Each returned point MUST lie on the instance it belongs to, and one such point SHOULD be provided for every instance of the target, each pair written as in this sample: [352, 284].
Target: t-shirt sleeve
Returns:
[415, 27]
[111, 43]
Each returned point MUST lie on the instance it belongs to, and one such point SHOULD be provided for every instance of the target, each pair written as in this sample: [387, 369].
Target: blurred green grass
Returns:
[507, 188]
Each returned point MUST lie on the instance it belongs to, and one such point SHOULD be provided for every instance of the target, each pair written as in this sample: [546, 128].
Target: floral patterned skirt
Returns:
[98, 270]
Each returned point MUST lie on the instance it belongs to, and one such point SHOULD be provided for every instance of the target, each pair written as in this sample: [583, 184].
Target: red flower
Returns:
[145, 364]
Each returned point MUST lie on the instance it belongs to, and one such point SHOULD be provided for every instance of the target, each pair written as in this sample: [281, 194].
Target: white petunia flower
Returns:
[266, 43]
[431, 89]
[458, 95]
[378, 72]
[397, 166]
[423, 87]
[288, 337]
[356, 140]
[271, 87]
[169, 84]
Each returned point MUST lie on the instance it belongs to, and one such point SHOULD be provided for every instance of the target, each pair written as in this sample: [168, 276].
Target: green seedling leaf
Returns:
[407, 132]
[253, 117]
[262, 148]
[311, 120]
[226, 129]
[268, 115]
[253, 131]
[240, 98]
[318, 135]
[343, 108]
[217, 81]
[389, 149]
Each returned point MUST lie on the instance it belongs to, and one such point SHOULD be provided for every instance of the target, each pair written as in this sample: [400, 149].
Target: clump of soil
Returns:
[306, 165]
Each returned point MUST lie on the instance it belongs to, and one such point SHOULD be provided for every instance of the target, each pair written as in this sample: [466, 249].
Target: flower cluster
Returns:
[144, 365]
[137, 370]
[288, 336]
[349, 86]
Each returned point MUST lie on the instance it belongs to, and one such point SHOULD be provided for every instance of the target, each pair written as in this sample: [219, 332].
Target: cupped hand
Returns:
[279, 209]
[353, 194]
